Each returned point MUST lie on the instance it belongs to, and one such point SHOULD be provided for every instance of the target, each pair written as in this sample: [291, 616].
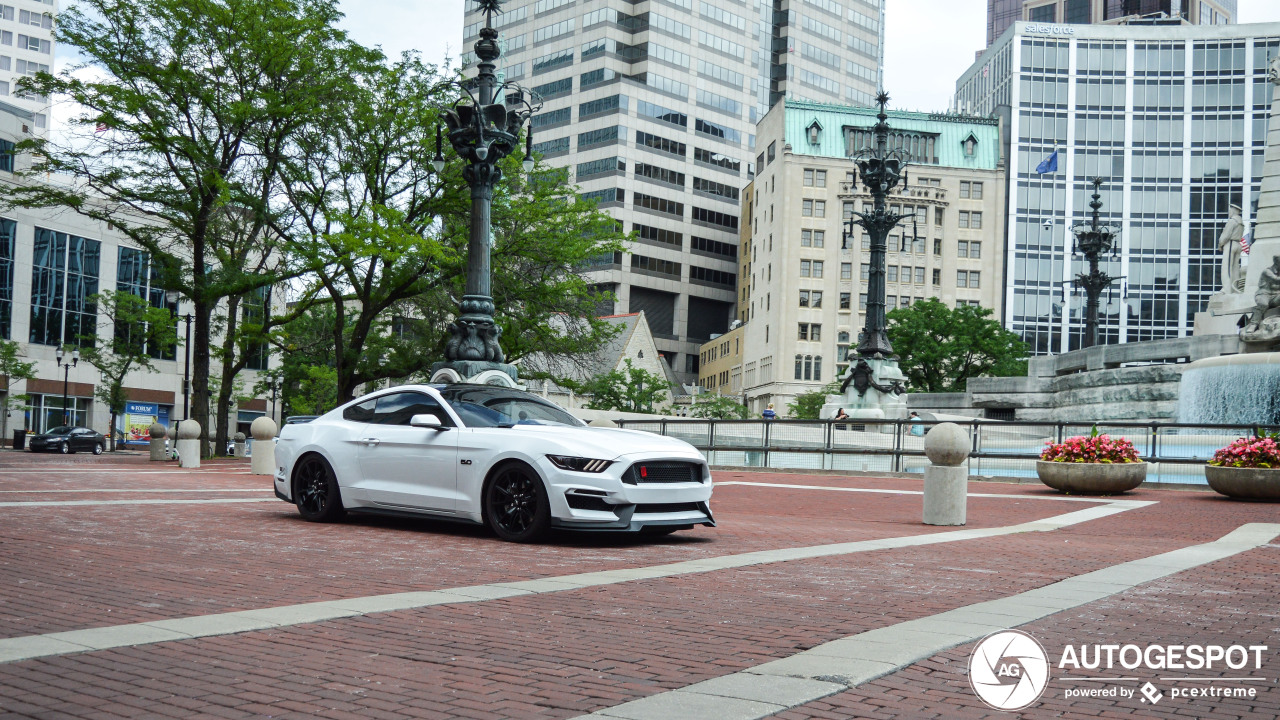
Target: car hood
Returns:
[605, 443]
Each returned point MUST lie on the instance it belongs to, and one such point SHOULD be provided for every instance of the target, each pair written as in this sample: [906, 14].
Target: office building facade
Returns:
[1172, 117]
[26, 48]
[651, 110]
[803, 290]
[1001, 14]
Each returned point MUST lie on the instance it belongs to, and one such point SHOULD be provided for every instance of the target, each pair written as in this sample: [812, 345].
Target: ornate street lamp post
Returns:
[881, 169]
[876, 371]
[483, 129]
[66, 376]
[1093, 240]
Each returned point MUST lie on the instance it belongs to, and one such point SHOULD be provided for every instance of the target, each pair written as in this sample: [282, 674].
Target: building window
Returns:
[804, 298]
[811, 332]
[64, 276]
[255, 308]
[844, 300]
[969, 278]
[976, 191]
[806, 268]
[866, 271]
[975, 220]
[808, 367]
[919, 276]
[937, 217]
[806, 238]
[808, 178]
[8, 238]
[964, 219]
[937, 247]
[964, 190]
[6, 151]
[862, 301]
[975, 249]
[806, 208]
[817, 268]
[1043, 13]
[962, 249]
[891, 273]
[137, 276]
[820, 208]
[937, 276]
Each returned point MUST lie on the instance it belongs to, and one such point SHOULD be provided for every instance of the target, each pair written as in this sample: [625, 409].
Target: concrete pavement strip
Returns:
[98, 503]
[838, 665]
[37, 646]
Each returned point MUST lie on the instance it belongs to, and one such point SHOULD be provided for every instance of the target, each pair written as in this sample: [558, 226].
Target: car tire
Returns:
[66, 448]
[516, 507]
[315, 491]
[97, 448]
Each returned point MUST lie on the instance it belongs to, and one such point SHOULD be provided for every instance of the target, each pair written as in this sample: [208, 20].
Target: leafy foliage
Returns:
[940, 348]
[718, 407]
[141, 332]
[12, 369]
[806, 406]
[201, 100]
[630, 390]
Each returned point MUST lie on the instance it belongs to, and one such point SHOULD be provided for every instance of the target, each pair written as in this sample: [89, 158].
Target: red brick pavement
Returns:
[560, 654]
[86, 566]
[1231, 602]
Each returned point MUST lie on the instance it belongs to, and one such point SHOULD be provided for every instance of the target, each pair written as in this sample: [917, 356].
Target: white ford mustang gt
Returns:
[486, 454]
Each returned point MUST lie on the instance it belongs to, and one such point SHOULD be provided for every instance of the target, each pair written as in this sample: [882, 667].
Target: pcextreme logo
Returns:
[1009, 670]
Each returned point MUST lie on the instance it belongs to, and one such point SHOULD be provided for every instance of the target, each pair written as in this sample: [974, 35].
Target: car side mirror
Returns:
[427, 421]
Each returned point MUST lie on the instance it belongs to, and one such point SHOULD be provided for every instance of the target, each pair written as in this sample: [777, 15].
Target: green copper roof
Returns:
[951, 129]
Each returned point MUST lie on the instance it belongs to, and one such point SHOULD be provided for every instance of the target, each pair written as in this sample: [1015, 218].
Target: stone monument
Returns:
[156, 444]
[1245, 388]
[946, 480]
[1229, 243]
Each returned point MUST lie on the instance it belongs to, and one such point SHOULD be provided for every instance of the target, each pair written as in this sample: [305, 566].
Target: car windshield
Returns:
[487, 406]
[60, 430]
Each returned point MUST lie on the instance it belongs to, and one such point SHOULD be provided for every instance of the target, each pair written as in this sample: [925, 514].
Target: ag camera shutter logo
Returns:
[1009, 670]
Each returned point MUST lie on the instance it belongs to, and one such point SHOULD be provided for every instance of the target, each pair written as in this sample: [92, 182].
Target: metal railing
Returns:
[1177, 451]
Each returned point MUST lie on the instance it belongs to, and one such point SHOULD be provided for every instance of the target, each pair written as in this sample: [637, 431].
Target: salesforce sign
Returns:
[1041, 29]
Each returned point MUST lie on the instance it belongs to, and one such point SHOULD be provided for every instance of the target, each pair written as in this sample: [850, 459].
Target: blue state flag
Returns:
[1049, 164]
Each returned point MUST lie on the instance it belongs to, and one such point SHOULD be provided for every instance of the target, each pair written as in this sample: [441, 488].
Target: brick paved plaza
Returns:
[138, 590]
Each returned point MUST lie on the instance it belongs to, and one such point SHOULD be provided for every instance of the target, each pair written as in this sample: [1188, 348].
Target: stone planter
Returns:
[1091, 478]
[1245, 483]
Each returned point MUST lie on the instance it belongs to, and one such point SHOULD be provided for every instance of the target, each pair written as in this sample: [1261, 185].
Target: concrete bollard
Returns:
[157, 433]
[946, 480]
[238, 448]
[188, 444]
[264, 446]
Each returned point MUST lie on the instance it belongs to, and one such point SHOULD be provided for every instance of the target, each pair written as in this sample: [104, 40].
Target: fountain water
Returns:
[1232, 389]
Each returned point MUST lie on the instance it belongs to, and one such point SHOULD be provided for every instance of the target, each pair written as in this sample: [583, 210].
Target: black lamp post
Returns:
[172, 297]
[882, 168]
[1093, 240]
[66, 376]
[275, 389]
[484, 128]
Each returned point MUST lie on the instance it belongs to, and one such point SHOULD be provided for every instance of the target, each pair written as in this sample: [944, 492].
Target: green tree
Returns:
[806, 406]
[940, 348]
[718, 407]
[201, 101]
[632, 389]
[389, 235]
[142, 332]
[12, 369]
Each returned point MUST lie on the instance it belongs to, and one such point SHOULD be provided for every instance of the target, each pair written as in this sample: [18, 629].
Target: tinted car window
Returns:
[360, 413]
[487, 406]
[399, 408]
[60, 430]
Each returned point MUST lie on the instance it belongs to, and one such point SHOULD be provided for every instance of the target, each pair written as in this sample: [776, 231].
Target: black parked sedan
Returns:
[66, 439]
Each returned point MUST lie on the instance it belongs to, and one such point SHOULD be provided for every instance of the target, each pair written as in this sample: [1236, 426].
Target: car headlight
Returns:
[579, 464]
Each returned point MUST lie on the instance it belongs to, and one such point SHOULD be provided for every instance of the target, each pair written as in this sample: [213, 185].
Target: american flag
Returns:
[101, 127]
[1246, 242]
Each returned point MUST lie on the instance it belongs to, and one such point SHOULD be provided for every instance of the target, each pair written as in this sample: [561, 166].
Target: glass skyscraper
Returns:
[651, 107]
[1172, 117]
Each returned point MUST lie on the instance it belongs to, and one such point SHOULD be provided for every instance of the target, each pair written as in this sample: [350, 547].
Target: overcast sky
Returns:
[928, 43]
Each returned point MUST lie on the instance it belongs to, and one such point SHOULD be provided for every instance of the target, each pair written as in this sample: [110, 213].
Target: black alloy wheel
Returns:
[316, 491]
[516, 505]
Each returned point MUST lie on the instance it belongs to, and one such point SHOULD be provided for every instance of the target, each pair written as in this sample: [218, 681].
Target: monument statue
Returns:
[1264, 323]
[1229, 244]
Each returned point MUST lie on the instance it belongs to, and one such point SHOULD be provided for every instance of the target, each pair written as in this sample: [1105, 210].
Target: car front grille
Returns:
[663, 472]
[668, 507]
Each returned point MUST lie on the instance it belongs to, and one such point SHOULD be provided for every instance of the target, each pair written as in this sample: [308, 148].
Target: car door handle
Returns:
[370, 441]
